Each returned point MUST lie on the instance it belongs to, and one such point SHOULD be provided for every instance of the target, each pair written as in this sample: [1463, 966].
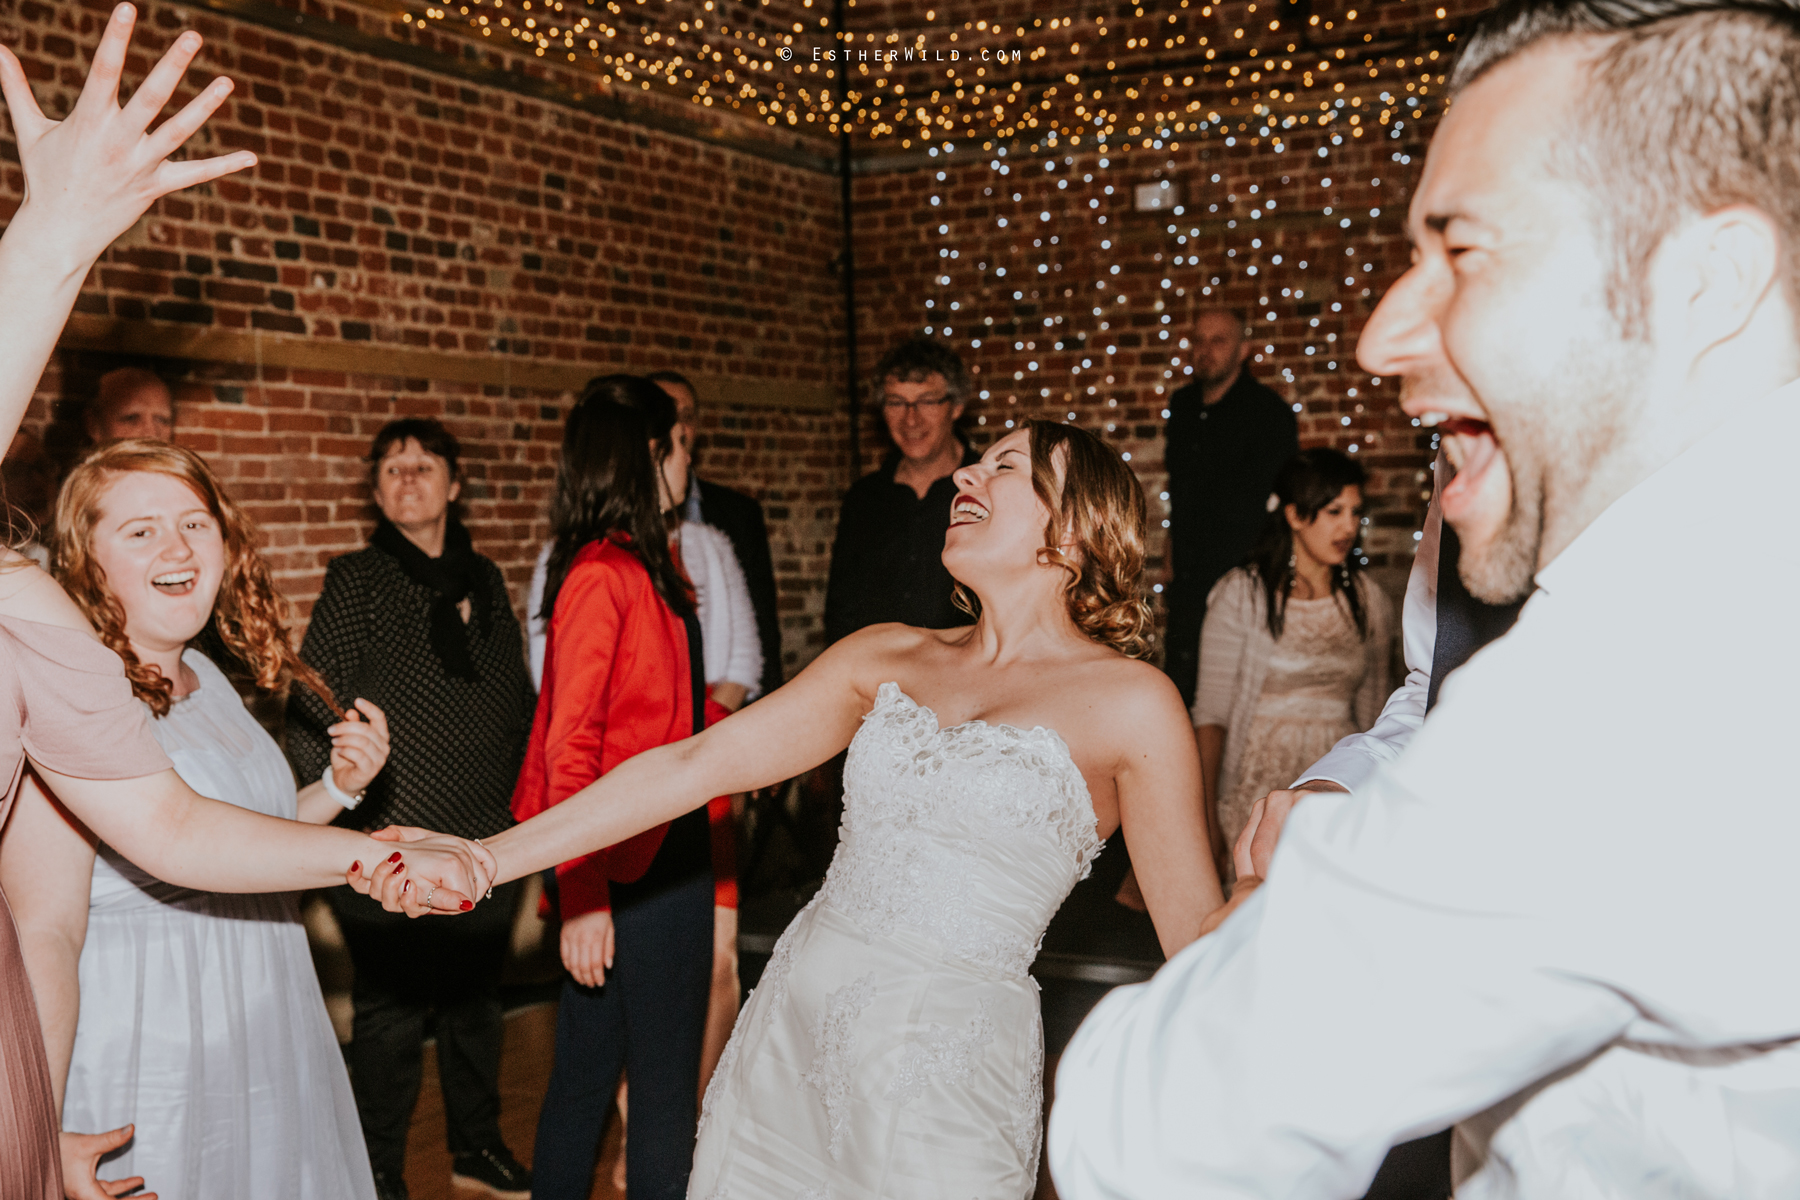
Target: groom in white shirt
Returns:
[1566, 917]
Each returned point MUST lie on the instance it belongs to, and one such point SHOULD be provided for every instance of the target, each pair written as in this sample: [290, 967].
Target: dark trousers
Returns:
[1181, 636]
[1415, 1170]
[648, 1021]
[407, 971]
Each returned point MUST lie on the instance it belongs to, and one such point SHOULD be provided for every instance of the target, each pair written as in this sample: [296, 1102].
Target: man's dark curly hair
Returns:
[918, 359]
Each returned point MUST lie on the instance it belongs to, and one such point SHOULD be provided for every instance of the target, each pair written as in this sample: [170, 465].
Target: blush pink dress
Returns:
[65, 703]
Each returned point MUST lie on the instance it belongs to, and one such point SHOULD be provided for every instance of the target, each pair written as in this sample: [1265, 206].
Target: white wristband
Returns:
[339, 794]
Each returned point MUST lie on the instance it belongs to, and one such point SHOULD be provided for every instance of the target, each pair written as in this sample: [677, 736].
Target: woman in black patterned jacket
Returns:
[422, 626]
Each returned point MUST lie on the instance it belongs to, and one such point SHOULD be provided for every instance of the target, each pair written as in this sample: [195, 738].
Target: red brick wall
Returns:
[410, 210]
[1150, 274]
[1131, 370]
[462, 219]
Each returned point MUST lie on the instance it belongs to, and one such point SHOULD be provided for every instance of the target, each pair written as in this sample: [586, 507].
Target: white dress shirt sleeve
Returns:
[536, 632]
[1230, 1074]
[1505, 921]
[1350, 763]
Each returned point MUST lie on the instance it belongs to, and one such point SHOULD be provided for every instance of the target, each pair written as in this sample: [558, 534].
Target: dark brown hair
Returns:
[1309, 481]
[429, 432]
[676, 378]
[608, 484]
[917, 359]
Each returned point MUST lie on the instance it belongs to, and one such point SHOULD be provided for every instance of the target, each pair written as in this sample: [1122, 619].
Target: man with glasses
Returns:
[886, 564]
[1228, 435]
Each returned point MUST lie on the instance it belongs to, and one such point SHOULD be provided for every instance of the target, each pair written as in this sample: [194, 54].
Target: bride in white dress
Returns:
[894, 1048]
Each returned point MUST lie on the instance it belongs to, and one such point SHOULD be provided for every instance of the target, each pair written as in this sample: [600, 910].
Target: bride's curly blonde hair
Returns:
[1098, 505]
[249, 615]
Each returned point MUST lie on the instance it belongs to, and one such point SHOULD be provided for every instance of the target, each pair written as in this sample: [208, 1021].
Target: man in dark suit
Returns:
[1227, 436]
[740, 518]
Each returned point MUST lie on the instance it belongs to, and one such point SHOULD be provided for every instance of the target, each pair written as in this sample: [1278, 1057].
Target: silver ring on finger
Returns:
[429, 893]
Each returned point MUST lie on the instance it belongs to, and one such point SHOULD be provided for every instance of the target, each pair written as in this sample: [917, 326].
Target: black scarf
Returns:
[453, 577]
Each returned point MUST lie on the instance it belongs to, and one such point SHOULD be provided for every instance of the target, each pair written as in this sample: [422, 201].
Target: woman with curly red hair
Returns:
[74, 745]
[201, 1019]
[894, 1045]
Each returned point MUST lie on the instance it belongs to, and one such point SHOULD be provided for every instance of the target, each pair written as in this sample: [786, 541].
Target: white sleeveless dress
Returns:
[201, 1015]
[894, 1048]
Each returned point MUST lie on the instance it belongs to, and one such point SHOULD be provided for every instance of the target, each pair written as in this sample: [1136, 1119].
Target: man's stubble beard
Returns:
[1553, 442]
[1501, 572]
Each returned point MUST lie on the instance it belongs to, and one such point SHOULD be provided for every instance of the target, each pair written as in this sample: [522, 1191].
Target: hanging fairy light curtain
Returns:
[1146, 74]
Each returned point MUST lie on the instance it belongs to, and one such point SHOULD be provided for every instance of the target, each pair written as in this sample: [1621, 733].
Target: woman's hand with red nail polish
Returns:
[455, 873]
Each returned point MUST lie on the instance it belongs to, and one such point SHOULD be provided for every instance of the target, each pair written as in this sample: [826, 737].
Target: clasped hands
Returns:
[431, 874]
[1255, 847]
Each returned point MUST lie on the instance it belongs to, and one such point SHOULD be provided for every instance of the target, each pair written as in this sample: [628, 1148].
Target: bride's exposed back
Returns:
[893, 1048]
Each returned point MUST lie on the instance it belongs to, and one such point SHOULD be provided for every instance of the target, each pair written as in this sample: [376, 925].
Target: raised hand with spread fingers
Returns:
[88, 178]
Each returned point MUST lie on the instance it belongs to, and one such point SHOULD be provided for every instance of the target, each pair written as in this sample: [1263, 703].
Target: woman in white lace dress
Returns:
[894, 1048]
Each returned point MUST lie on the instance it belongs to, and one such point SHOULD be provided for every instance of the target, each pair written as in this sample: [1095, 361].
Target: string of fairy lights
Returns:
[1066, 79]
[1056, 112]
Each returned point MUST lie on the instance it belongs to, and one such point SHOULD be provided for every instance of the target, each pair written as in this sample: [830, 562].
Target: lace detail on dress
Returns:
[1061, 804]
[781, 962]
[834, 1043]
[907, 881]
[1028, 1105]
[921, 803]
[715, 1087]
[942, 1052]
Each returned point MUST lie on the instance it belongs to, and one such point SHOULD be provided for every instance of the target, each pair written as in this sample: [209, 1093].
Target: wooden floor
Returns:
[524, 1073]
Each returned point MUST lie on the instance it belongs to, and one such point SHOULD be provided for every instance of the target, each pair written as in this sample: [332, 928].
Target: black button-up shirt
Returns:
[887, 563]
[1222, 461]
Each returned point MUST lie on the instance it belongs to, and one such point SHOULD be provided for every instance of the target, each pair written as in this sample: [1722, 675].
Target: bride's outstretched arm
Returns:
[88, 178]
[793, 729]
[1162, 812]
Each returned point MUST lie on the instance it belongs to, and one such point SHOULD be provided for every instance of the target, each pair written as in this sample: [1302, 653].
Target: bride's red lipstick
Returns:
[961, 499]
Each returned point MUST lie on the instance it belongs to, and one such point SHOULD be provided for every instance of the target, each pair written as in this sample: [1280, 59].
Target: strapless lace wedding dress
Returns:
[894, 1048]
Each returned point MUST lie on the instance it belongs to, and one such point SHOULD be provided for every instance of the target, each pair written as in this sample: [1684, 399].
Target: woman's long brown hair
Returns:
[249, 615]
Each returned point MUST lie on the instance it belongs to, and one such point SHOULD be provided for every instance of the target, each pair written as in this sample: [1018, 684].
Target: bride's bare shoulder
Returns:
[879, 654]
[1134, 693]
[28, 594]
[891, 640]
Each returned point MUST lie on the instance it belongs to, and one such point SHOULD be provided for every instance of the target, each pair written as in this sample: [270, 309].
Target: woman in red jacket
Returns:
[621, 675]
